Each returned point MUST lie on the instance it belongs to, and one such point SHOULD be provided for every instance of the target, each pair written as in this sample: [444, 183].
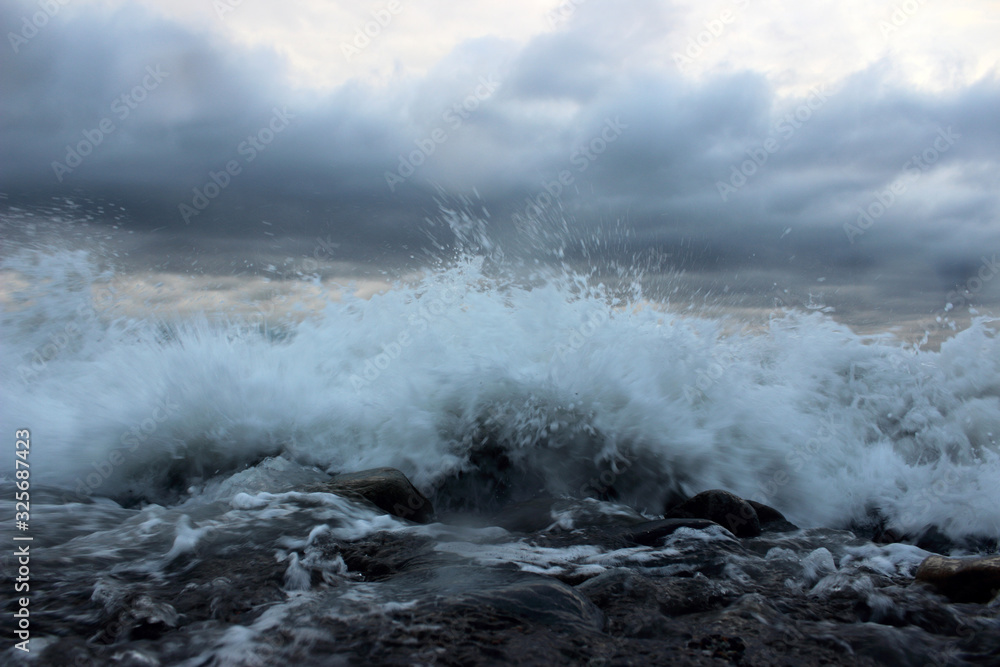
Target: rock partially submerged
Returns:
[386, 488]
[651, 533]
[724, 508]
[962, 579]
[743, 518]
[771, 520]
[570, 581]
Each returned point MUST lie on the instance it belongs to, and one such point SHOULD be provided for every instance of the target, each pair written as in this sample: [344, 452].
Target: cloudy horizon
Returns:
[846, 144]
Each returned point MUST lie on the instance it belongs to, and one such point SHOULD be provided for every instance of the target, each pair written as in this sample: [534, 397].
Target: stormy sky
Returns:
[833, 141]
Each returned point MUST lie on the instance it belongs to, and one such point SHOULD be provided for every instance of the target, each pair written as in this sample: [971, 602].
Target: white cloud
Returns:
[559, 83]
[934, 46]
[312, 34]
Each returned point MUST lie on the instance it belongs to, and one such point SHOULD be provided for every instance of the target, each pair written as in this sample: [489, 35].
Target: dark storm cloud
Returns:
[720, 163]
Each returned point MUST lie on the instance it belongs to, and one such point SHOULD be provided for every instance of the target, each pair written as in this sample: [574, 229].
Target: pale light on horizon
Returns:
[928, 46]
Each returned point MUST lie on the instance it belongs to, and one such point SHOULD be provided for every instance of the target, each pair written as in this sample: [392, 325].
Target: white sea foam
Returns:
[580, 559]
[578, 392]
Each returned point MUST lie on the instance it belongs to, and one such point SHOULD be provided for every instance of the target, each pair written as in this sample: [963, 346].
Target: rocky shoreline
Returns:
[717, 580]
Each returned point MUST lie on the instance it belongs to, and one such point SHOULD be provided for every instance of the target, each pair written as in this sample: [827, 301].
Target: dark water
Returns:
[172, 462]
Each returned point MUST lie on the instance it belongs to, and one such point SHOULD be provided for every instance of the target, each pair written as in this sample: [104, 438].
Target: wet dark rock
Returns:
[386, 488]
[725, 508]
[526, 517]
[537, 600]
[875, 527]
[883, 645]
[617, 584]
[473, 615]
[228, 586]
[962, 579]
[577, 583]
[138, 616]
[544, 514]
[728, 649]
[651, 533]
[882, 535]
[631, 602]
[382, 555]
[771, 520]
[932, 539]
[625, 592]
[491, 478]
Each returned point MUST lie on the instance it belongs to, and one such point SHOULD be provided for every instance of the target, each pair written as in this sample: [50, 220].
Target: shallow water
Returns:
[174, 463]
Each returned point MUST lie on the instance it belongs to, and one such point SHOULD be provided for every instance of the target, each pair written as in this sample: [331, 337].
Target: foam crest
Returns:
[485, 390]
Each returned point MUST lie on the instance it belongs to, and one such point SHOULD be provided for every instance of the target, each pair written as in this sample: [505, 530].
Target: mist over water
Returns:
[487, 383]
[587, 333]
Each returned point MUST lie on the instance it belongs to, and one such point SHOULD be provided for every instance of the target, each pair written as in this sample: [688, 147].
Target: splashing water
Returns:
[485, 389]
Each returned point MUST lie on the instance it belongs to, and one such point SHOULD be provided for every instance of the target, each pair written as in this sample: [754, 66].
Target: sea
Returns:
[175, 458]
